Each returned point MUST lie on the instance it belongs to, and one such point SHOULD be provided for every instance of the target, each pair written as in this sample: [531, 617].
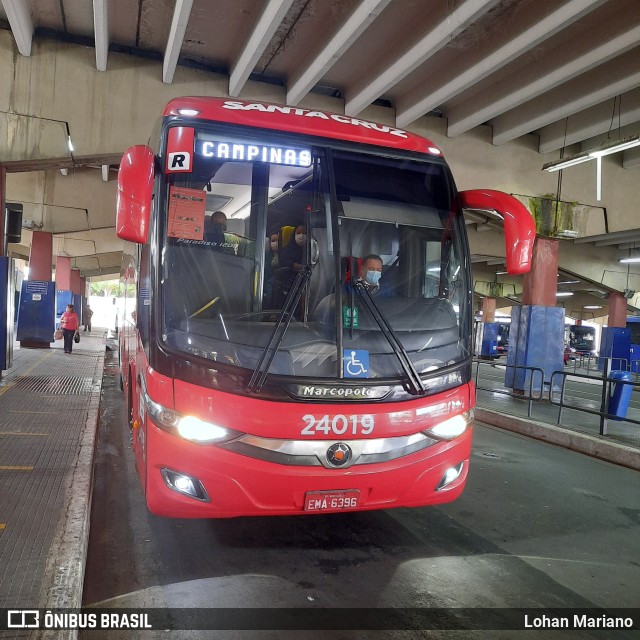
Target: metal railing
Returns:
[530, 396]
[607, 382]
[555, 393]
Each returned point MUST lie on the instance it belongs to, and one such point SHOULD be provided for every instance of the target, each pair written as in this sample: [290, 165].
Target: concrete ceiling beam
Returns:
[269, 21]
[532, 30]
[618, 76]
[21, 24]
[444, 31]
[179, 24]
[101, 32]
[591, 122]
[566, 61]
[303, 81]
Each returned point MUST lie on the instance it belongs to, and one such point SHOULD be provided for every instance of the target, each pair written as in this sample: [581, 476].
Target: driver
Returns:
[370, 272]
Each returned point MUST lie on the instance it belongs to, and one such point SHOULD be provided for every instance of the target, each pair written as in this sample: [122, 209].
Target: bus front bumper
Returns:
[224, 484]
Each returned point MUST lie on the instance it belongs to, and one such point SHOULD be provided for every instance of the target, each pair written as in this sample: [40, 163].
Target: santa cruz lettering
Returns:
[338, 425]
[307, 113]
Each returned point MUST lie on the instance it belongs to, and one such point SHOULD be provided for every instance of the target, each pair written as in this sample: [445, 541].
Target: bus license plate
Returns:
[331, 500]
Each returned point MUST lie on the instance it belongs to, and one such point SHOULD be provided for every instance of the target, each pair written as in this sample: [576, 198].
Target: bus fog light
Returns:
[451, 474]
[185, 484]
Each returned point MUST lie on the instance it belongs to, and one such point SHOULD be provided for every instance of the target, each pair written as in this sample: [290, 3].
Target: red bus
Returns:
[298, 339]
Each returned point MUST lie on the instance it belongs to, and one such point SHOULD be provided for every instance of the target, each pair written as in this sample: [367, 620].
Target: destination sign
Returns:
[253, 152]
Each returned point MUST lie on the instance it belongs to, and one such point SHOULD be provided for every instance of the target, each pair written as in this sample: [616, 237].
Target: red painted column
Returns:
[540, 285]
[617, 310]
[488, 309]
[41, 256]
[76, 286]
[63, 273]
[3, 191]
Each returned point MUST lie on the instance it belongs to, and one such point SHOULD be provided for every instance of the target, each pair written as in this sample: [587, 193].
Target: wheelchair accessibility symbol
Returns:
[355, 363]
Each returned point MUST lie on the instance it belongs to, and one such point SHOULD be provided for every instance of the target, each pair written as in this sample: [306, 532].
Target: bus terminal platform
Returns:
[49, 420]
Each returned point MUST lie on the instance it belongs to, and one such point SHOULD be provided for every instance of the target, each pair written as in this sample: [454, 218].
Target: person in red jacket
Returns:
[70, 324]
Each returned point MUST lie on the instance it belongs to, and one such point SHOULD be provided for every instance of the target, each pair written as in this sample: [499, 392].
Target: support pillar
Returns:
[76, 288]
[615, 343]
[64, 295]
[63, 273]
[487, 331]
[540, 285]
[37, 310]
[3, 191]
[488, 309]
[536, 336]
[41, 256]
[83, 300]
[6, 285]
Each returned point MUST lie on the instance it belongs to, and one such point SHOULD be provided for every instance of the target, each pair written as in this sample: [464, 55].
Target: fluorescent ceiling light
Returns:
[557, 166]
[615, 147]
[604, 150]
[564, 294]
[629, 260]
[592, 306]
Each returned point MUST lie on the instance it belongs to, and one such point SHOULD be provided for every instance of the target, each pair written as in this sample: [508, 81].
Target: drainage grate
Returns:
[58, 385]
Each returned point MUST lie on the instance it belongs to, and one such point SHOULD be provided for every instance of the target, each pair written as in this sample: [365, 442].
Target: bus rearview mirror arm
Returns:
[519, 225]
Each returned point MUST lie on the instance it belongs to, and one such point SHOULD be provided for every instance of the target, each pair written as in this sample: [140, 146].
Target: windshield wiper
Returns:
[415, 381]
[259, 376]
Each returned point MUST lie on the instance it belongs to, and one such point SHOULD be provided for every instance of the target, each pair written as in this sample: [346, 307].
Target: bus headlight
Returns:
[452, 427]
[188, 427]
[191, 428]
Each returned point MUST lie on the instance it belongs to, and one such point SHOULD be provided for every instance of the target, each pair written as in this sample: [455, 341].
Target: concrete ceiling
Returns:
[567, 71]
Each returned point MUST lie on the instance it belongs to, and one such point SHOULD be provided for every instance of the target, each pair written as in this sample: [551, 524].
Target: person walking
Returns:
[87, 318]
[70, 324]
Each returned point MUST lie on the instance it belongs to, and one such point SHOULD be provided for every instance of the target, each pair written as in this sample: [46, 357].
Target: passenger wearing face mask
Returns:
[291, 255]
[370, 273]
[273, 244]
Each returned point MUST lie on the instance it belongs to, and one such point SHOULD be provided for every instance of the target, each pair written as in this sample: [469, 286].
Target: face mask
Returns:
[373, 277]
[274, 246]
[300, 238]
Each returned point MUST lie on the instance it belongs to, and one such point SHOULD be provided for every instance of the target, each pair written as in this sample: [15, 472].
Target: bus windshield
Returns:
[334, 262]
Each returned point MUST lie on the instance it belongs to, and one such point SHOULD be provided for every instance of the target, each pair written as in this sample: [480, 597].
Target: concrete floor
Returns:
[538, 526]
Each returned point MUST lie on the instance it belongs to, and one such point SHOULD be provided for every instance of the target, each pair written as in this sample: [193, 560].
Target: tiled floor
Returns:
[45, 402]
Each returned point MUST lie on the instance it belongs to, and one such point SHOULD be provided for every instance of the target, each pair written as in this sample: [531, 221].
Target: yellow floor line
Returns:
[2, 526]
[21, 433]
[31, 368]
[10, 468]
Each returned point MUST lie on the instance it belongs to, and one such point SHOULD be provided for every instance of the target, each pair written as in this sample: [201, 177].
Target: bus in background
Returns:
[581, 339]
[503, 336]
[298, 339]
[633, 324]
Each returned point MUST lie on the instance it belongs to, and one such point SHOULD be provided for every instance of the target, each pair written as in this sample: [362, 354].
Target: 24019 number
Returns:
[338, 425]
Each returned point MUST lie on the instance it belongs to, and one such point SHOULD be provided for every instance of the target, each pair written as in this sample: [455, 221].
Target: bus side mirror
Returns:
[519, 225]
[135, 188]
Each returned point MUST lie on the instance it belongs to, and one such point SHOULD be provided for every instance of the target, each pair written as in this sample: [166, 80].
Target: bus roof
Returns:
[325, 124]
